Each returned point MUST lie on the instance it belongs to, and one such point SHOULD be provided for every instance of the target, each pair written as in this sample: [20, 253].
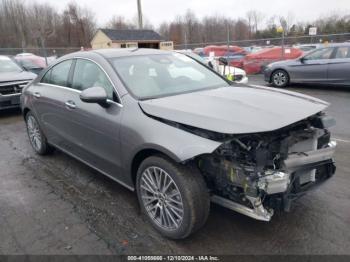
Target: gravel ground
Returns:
[56, 205]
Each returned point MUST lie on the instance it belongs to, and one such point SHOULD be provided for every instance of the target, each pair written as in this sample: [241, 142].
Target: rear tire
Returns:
[174, 197]
[280, 78]
[36, 136]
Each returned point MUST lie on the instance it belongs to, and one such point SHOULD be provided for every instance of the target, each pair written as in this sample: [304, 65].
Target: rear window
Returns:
[343, 52]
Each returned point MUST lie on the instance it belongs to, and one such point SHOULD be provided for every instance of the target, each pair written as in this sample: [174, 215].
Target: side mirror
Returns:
[303, 59]
[96, 95]
[223, 61]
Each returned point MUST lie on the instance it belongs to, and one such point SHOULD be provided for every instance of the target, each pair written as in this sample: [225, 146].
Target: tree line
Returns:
[36, 25]
[41, 25]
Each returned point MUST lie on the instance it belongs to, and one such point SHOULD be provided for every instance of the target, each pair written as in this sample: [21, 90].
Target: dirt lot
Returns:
[56, 205]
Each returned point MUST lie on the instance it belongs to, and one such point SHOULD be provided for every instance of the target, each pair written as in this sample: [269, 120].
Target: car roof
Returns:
[118, 52]
[336, 44]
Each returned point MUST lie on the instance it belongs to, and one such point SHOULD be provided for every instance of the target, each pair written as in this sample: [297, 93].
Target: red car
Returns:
[256, 62]
[234, 54]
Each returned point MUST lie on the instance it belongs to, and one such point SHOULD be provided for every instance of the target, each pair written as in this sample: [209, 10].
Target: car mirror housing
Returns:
[223, 61]
[96, 95]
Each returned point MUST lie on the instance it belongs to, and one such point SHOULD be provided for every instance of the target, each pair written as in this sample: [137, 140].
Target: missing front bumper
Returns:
[281, 189]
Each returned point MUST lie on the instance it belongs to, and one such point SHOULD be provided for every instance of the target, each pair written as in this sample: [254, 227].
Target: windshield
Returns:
[197, 57]
[7, 65]
[154, 76]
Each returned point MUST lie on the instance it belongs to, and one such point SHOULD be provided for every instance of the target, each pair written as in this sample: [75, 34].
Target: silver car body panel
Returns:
[333, 71]
[235, 110]
[109, 138]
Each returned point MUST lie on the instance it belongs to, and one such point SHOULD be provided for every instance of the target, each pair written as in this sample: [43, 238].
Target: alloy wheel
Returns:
[34, 133]
[280, 79]
[161, 198]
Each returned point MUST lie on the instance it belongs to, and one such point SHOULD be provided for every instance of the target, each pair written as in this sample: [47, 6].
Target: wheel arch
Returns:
[25, 112]
[144, 153]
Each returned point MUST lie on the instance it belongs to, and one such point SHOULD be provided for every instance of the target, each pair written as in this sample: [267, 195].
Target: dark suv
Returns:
[12, 80]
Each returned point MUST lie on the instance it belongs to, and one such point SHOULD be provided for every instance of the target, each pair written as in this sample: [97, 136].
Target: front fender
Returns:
[140, 132]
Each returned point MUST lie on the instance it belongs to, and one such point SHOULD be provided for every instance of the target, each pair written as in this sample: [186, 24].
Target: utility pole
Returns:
[283, 44]
[139, 12]
[228, 39]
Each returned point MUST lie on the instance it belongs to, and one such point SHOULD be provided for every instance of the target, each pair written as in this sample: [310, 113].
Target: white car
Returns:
[239, 75]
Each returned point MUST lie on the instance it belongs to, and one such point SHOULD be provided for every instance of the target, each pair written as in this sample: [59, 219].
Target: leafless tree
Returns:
[119, 22]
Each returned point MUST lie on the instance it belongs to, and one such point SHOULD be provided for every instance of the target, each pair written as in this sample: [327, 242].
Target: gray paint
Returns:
[16, 76]
[108, 138]
[235, 110]
[325, 71]
[132, 34]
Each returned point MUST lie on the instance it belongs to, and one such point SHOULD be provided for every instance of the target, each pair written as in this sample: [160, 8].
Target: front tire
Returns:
[174, 197]
[36, 136]
[280, 78]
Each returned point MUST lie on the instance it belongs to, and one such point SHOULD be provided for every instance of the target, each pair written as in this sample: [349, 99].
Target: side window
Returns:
[87, 74]
[46, 78]
[58, 75]
[324, 53]
[343, 52]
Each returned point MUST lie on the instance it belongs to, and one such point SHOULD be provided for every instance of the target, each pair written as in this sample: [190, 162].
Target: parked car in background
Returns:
[226, 69]
[253, 49]
[12, 80]
[256, 62]
[234, 54]
[224, 50]
[328, 65]
[180, 135]
[308, 47]
[235, 74]
[32, 63]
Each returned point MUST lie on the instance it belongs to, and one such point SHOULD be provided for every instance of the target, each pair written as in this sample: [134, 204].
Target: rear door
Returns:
[313, 67]
[339, 66]
[48, 99]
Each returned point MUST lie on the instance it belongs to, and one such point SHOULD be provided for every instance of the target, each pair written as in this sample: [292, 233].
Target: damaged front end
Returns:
[257, 174]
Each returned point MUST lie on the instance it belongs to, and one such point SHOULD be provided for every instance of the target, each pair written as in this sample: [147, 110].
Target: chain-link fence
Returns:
[47, 52]
[288, 40]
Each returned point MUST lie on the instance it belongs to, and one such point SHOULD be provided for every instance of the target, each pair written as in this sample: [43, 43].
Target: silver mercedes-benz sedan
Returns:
[326, 65]
[180, 135]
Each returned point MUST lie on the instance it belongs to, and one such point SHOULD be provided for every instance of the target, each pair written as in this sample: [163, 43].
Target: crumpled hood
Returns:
[16, 76]
[235, 110]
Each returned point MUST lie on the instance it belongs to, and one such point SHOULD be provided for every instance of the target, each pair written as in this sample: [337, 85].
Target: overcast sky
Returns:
[158, 11]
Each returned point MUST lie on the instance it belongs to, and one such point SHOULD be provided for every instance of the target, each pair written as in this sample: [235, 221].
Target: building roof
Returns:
[132, 35]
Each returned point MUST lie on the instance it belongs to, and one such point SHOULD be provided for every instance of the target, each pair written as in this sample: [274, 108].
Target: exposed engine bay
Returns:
[257, 174]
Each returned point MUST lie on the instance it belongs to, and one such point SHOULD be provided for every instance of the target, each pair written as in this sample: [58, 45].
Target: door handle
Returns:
[70, 105]
[36, 95]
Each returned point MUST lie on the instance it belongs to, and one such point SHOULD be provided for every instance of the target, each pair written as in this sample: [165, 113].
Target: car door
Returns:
[93, 128]
[48, 102]
[339, 66]
[313, 67]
